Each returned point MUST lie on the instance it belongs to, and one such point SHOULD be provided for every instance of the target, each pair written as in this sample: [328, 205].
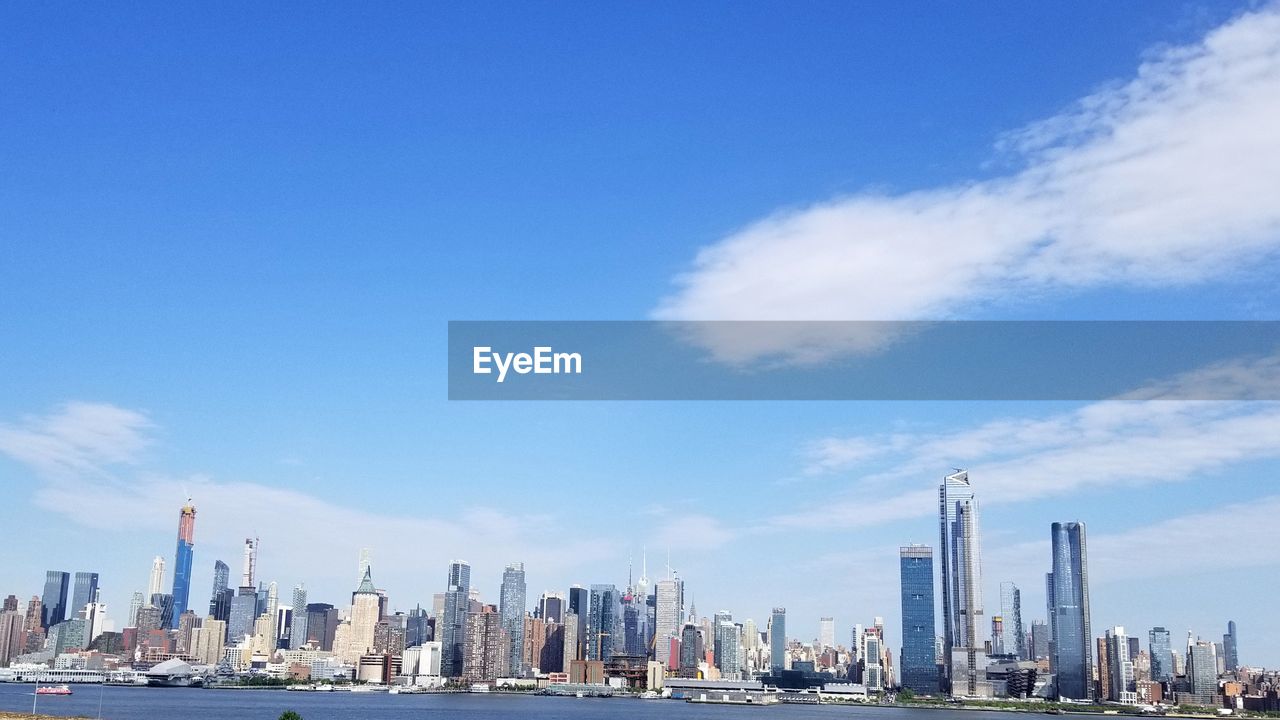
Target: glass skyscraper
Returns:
[1161, 648]
[1072, 653]
[919, 666]
[778, 640]
[1014, 640]
[54, 600]
[84, 592]
[453, 626]
[1231, 658]
[182, 560]
[604, 620]
[511, 606]
[961, 556]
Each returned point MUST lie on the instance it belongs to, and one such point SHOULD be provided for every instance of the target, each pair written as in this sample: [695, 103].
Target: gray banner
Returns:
[961, 360]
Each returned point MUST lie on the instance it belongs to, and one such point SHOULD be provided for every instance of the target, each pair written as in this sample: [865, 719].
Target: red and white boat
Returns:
[54, 690]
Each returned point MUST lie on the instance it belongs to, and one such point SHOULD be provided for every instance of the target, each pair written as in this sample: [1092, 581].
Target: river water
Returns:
[126, 703]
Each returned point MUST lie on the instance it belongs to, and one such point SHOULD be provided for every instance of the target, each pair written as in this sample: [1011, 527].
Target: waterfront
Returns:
[126, 703]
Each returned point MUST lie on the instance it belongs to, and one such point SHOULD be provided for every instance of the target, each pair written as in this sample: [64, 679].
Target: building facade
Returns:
[917, 658]
[1072, 655]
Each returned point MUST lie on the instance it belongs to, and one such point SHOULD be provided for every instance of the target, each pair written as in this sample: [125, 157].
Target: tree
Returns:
[290, 715]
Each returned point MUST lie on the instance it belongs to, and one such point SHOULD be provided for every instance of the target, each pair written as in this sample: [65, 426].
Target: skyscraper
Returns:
[511, 606]
[364, 618]
[483, 656]
[54, 600]
[666, 619]
[919, 666]
[220, 598]
[1231, 660]
[826, 632]
[452, 628]
[963, 641]
[155, 585]
[551, 607]
[182, 558]
[604, 622]
[11, 637]
[1202, 671]
[728, 644]
[298, 628]
[580, 606]
[1072, 652]
[1161, 648]
[1119, 667]
[250, 562]
[1014, 640]
[1039, 647]
[84, 592]
[778, 640]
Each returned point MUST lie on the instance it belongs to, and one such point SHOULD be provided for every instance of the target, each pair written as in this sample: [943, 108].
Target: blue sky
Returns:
[231, 241]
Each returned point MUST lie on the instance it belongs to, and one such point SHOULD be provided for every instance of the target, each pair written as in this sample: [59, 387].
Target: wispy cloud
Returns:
[1166, 179]
[80, 438]
[85, 458]
[1205, 541]
[1099, 445]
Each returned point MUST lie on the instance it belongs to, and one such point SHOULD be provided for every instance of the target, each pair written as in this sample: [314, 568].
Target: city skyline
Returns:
[1070, 657]
[234, 287]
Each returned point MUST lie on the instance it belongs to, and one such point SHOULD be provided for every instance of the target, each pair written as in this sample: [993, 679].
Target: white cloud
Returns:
[84, 457]
[696, 531]
[1100, 445]
[1169, 178]
[80, 438]
[1205, 541]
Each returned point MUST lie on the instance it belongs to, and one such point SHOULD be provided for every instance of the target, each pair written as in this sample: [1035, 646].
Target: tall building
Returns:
[483, 655]
[364, 618]
[778, 640]
[1039, 648]
[728, 647]
[580, 606]
[1161, 647]
[1231, 659]
[826, 632]
[183, 557]
[1071, 660]
[604, 623]
[85, 591]
[34, 633]
[1202, 672]
[54, 600]
[155, 585]
[1014, 639]
[919, 666]
[220, 598]
[963, 638]
[452, 627]
[1121, 685]
[551, 607]
[512, 604]
[666, 619]
[250, 562]
[322, 623]
[11, 638]
[243, 613]
[691, 649]
[570, 640]
[298, 628]
[164, 603]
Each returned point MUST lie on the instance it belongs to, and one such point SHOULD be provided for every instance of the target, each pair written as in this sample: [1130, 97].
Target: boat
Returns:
[54, 690]
[650, 695]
